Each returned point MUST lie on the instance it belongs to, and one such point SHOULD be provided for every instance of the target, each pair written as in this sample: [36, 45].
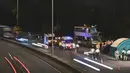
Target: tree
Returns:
[16, 29]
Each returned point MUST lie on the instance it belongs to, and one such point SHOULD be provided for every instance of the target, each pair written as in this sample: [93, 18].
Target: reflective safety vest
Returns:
[97, 51]
[60, 44]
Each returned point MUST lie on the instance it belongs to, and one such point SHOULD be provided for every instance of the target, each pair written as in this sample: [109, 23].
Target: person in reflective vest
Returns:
[60, 44]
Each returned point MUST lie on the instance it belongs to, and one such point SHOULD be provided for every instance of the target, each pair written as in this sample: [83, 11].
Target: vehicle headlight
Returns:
[49, 41]
[55, 40]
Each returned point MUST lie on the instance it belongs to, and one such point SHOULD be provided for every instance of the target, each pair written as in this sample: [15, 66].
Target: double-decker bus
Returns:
[86, 36]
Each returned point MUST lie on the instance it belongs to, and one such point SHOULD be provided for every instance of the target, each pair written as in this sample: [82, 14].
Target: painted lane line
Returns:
[10, 56]
[11, 65]
[97, 69]
[22, 64]
[48, 64]
[98, 63]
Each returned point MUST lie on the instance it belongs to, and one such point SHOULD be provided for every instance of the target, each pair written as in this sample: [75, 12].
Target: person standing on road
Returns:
[77, 47]
[126, 57]
[117, 55]
[92, 52]
[74, 46]
[97, 53]
[124, 54]
[60, 44]
[102, 47]
[63, 45]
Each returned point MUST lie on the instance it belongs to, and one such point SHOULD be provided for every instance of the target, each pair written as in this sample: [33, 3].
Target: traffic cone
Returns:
[118, 68]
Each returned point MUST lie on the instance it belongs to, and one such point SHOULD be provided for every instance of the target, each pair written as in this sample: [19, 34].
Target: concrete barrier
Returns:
[54, 58]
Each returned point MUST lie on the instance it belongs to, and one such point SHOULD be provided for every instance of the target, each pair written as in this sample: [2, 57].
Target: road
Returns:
[112, 65]
[68, 56]
[34, 64]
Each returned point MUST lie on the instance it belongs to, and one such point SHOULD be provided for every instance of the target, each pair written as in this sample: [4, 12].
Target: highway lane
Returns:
[34, 64]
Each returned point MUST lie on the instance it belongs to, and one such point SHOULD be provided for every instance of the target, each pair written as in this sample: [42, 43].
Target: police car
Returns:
[68, 43]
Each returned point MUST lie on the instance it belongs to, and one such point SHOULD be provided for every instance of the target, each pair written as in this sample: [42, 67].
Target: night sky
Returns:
[111, 16]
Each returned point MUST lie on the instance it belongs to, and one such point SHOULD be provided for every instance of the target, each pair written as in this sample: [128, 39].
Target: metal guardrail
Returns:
[53, 58]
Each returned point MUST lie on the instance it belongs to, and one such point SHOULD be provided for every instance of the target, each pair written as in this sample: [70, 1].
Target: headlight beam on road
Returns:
[11, 64]
[22, 64]
[97, 69]
[98, 63]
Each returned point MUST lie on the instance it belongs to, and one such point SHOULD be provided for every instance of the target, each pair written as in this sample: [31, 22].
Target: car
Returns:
[41, 45]
[22, 39]
[8, 35]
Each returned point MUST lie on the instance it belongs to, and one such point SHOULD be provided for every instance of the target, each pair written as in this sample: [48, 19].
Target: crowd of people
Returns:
[121, 56]
[95, 51]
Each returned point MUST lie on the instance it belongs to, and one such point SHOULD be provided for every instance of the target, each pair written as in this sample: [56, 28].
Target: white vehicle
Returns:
[40, 45]
[22, 39]
[8, 35]
[48, 39]
[6, 31]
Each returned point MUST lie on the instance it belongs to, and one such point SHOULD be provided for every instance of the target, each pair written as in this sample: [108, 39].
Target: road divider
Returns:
[97, 69]
[11, 65]
[98, 63]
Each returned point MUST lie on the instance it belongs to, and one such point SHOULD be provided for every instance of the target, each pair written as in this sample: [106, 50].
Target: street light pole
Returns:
[17, 16]
[52, 49]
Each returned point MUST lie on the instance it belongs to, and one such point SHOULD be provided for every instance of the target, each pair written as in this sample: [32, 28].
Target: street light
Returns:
[17, 16]
[52, 49]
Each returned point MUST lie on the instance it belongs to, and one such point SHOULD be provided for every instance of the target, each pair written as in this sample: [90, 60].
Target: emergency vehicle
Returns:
[67, 43]
[48, 39]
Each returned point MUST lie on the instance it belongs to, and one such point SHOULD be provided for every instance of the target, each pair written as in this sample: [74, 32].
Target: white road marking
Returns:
[97, 69]
[98, 63]
[48, 64]
[10, 56]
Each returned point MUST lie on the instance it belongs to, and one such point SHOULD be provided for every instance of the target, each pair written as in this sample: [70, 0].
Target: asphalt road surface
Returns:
[112, 65]
[34, 64]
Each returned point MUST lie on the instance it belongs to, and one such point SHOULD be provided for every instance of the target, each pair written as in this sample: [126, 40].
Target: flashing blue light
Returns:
[45, 40]
[68, 38]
